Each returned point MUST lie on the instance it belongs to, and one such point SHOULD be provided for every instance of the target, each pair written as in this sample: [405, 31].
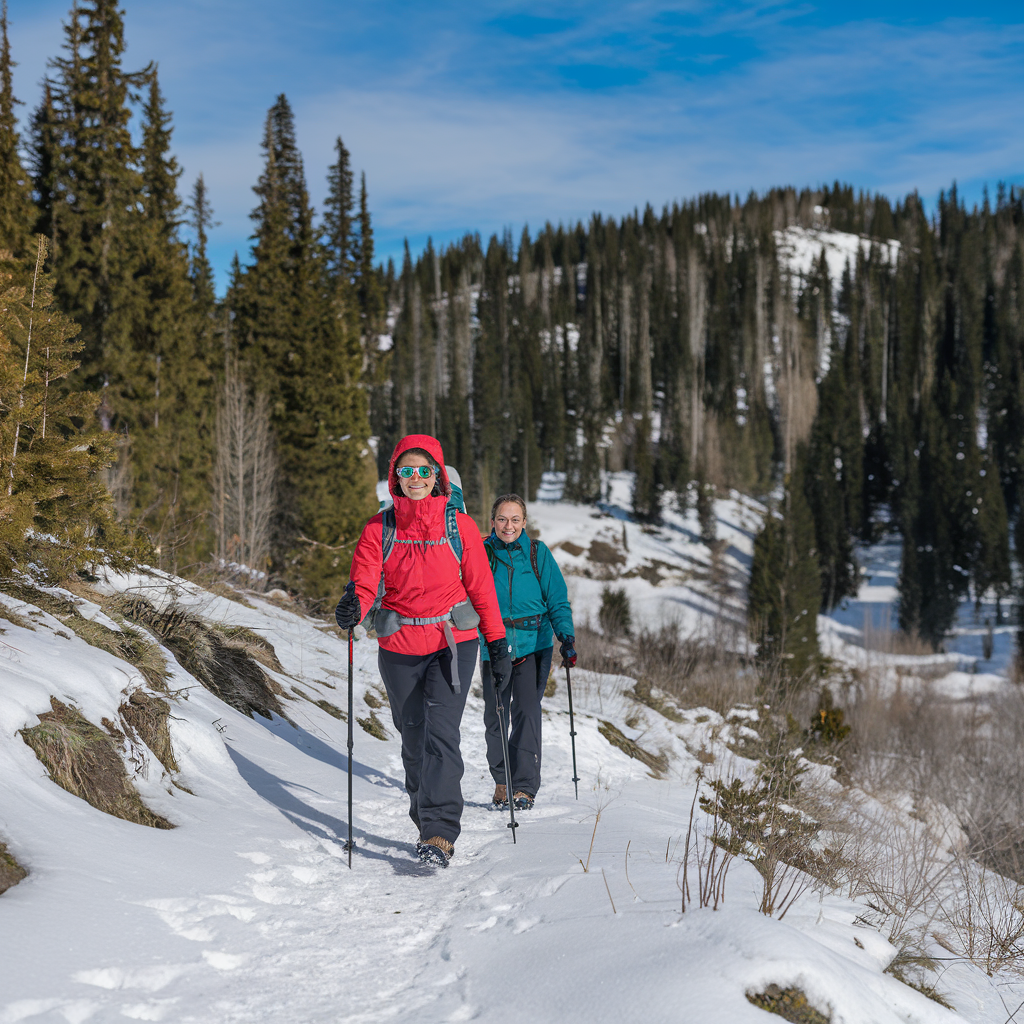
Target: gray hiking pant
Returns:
[427, 712]
[527, 688]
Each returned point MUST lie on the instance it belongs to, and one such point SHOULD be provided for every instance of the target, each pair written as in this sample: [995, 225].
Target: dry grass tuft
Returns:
[323, 705]
[789, 1003]
[258, 647]
[225, 664]
[147, 717]
[693, 671]
[643, 694]
[83, 760]
[11, 872]
[374, 726]
[128, 645]
[14, 618]
[658, 763]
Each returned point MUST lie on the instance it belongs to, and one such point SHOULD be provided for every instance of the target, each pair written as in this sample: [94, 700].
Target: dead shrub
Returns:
[147, 716]
[225, 664]
[11, 872]
[985, 918]
[82, 759]
[694, 671]
[615, 616]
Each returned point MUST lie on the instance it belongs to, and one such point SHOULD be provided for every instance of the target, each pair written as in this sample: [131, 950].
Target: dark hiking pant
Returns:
[427, 712]
[527, 688]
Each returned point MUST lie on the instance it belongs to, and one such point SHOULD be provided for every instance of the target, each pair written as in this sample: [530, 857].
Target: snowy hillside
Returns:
[246, 910]
[667, 572]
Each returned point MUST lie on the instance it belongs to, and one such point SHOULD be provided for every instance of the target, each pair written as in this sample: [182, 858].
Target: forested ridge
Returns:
[721, 343]
[695, 349]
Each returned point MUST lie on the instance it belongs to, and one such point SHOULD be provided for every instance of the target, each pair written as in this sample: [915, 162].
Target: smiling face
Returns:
[416, 487]
[508, 522]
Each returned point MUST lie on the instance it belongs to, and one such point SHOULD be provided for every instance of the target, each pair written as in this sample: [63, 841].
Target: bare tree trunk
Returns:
[40, 256]
[245, 478]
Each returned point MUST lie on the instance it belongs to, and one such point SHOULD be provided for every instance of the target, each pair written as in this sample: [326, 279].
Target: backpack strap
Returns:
[533, 561]
[387, 533]
[492, 558]
[387, 545]
[451, 529]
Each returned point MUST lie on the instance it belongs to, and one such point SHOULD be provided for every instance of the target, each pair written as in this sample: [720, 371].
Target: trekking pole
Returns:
[572, 731]
[512, 824]
[350, 844]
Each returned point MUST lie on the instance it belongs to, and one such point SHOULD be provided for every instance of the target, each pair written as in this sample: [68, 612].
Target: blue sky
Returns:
[478, 116]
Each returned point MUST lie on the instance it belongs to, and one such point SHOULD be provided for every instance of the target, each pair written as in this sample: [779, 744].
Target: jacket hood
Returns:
[429, 444]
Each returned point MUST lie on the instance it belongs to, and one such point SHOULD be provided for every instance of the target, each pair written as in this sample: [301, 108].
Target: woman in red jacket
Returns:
[426, 660]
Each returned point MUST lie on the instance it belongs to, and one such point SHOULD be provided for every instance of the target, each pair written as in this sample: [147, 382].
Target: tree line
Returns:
[691, 347]
[686, 345]
[234, 428]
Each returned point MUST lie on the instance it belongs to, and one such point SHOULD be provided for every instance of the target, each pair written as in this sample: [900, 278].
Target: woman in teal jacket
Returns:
[533, 601]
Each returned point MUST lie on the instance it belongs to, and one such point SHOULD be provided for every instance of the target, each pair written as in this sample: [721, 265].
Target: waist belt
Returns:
[449, 620]
[529, 622]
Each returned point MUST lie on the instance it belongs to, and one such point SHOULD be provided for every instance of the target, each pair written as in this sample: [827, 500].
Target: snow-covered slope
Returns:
[667, 572]
[247, 910]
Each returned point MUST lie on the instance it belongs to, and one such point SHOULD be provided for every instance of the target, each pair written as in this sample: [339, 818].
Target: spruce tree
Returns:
[296, 349]
[785, 585]
[87, 167]
[165, 387]
[17, 215]
[49, 465]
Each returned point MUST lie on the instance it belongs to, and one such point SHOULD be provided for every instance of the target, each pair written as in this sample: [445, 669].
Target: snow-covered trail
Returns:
[248, 912]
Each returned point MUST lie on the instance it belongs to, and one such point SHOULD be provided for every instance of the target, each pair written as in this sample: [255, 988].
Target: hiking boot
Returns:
[500, 799]
[523, 801]
[435, 851]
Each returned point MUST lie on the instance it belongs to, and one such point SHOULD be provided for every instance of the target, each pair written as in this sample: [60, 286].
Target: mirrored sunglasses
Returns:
[407, 472]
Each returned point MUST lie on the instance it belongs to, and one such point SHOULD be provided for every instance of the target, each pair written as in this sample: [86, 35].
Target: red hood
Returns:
[429, 444]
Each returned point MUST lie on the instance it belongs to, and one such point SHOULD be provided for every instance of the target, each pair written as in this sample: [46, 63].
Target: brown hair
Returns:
[504, 499]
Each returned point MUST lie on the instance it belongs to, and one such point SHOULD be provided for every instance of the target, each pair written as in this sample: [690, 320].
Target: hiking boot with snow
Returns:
[499, 802]
[435, 851]
[523, 801]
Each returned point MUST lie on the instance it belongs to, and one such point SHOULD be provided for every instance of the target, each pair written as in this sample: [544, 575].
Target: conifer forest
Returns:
[142, 413]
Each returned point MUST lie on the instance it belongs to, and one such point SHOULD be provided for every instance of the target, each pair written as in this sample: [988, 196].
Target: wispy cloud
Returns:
[477, 117]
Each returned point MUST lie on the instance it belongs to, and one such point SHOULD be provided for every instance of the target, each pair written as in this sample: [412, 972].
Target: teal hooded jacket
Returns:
[521, 595]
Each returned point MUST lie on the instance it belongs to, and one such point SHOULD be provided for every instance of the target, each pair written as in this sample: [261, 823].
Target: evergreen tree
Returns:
[785, 584]
[165, 384]
[90, 187]
[17, 215]
[49, 465]
[296, 349]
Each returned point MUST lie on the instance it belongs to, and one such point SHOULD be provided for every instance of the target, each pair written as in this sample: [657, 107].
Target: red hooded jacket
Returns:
[424, 581]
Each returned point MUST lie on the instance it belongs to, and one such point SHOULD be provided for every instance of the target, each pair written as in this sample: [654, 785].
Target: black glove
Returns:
[348, 613]
[568, 651]
[501, 663]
